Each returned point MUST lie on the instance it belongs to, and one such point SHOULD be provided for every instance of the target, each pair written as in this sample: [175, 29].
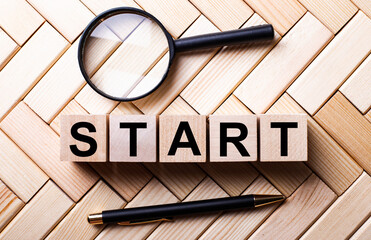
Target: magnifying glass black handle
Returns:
[240, 36]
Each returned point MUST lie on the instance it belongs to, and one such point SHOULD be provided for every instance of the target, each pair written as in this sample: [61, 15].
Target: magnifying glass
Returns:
[125, 53]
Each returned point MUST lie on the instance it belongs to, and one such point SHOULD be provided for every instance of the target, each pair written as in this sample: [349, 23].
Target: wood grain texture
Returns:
[364, 5]
[282, 14]
[247, 126]
[333, 13]
[210, 87]
[353, 132]
[57, 87]
[364, 232]
[126, 108]
[10, 205]
[43, 49]
[169, 125]
[298, 212]
[368, 115]
[232, 106]
[240, 224]
[99, 6]
[120, 140]
[191, 227]
[75, 224]
[327, 72]
[126, 178]
[71, 108]
[325, 156]
[271, 142]
[357, 87]
[234, 178]
[287, 60]
[179, 106]
[7, 48]
[18, 171]
[179, 178]
[99, 134]
[69, 17]
[346, 214]
[183, 69]
[36, 220]
[19, 20]
[175, 15]
[153, 193]
[225, 15]
[41, 144]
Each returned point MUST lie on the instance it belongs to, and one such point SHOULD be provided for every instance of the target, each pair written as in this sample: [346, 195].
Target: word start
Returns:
[184, 138]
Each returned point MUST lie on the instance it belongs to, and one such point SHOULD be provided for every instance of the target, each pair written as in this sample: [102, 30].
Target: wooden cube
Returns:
[182, 138]
[233, 138]
[283, 137]
[84, 138]
[133, 138]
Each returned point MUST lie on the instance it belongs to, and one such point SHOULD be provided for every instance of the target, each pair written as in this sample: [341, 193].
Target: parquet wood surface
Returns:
[319, 64]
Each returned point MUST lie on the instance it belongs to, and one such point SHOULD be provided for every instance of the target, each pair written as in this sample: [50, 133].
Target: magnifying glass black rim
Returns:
[95, 22]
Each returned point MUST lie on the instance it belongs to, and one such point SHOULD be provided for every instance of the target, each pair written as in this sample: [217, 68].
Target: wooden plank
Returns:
[183, 69]
[234, 178]
[368, 115]
[7, 48]
[191, 227]
[71, 108]
[298, 212]
[75, 225]
[347, 213]
[170, 126]
[232, 106]
[10, 205]
[42, 50]
[333, 13]
[364, 232]
[272, 147]
[69, 17]
[364, 5]
[225, 15]
[357, 87]
[127, 179]
[282, 14]
[126, 108]
[152, 194]
[99, 6]
[57, 87]
[244, 127]
[42, 145]
[210, 88]
[325, 156]
[19, 20]
[175, 15]
[240, 224]
[96, 127]
[40, 215]
[179, 178]
[326, 73]
[18, 171]
[122, 147]
[179, 106]
[287, 59]
[352, 132]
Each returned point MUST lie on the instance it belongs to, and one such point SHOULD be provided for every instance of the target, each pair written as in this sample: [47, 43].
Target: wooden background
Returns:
[319, 64]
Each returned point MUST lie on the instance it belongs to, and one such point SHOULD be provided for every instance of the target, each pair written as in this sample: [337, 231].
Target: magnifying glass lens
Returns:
[126, 56]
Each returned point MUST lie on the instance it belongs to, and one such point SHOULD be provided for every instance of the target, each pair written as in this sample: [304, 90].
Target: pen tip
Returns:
[95, 218]
[261, 200]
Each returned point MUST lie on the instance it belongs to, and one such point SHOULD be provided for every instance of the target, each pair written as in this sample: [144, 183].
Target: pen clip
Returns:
[129, 223]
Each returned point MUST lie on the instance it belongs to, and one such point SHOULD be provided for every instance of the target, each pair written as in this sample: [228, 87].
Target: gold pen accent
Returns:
[95, 218]
[262, 200]
[129, 223]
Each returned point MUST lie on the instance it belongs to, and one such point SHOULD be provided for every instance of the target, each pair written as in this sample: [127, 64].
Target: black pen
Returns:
[139, 215]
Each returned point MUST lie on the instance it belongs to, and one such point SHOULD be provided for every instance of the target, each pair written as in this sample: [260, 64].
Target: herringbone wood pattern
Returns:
[318, 64]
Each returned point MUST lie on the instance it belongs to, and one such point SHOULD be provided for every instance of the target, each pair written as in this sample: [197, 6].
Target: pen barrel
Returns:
[177, 209]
